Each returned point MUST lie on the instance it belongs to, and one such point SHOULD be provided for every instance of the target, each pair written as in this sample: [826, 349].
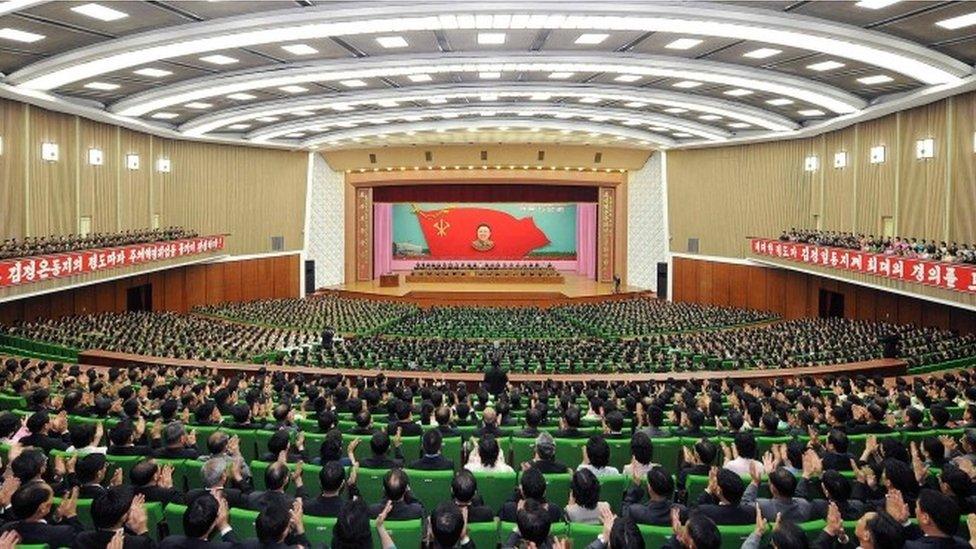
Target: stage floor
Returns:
[572, 286]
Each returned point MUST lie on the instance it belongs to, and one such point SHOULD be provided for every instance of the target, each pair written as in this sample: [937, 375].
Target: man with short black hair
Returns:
[379, 445]
[276, 478]
[532, 486]
[938, 521]
[155, 483]
[177, 444]
[432, 460]
[396, 484]
[31, 505]
[279, 525]
[448, 528]
[660, 492]
[534, 524]
[464, 489]
[332, 477]
[117, 509]
[722, 500]
[204, 515]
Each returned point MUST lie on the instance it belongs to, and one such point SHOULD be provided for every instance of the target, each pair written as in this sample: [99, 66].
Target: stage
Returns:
[574, 289]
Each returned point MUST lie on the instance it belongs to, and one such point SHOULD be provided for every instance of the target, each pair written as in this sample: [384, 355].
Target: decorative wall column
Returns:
[364, 233]
[606, 215]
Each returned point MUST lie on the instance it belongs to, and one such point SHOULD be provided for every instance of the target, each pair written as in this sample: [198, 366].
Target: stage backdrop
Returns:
[482, 232]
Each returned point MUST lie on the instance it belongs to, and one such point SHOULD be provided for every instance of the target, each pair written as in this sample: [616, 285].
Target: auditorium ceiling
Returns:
[322, 74]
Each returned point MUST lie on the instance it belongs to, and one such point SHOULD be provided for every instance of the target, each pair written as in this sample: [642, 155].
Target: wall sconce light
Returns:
[132, 161]
[96, 157]
[878, 154]
[925, 148]
[49, 152]
[811, 163]
[840, 159]
[163, 165]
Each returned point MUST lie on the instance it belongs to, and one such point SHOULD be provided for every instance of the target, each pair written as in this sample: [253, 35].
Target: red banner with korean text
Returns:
[15, 272]
[948, 276]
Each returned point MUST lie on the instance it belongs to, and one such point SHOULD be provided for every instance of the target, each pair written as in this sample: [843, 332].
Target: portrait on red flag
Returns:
[484, 231]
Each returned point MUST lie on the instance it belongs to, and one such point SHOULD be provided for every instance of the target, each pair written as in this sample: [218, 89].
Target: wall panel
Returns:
[962, 192]
[98, 189]
[134, 184]
[52, 185]
[838, 183]
[13, 169]
[875, 193]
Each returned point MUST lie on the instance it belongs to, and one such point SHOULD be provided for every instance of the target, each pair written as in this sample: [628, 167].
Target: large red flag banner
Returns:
[948, 276]
[479, 233]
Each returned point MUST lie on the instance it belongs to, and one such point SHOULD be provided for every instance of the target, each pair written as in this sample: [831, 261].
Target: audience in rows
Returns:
[13, 248]
[949, 252]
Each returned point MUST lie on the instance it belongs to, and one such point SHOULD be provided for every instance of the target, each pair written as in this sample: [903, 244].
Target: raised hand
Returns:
[11, 538]
[138, 521]
[835, 523]
[69, 504]
[896, 507]
[761, 524]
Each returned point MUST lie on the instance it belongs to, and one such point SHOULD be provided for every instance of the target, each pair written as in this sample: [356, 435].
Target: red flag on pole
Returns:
[479, 233]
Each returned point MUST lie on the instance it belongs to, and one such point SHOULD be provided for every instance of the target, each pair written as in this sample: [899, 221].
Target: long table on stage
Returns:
[508, 275]
[882, 366]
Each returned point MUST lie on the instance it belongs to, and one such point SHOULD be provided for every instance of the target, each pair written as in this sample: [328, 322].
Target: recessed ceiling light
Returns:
[780, 102]
[489, 75]
[685, 84]
[303, 113]
[198, 105]
[739, 125]
[342, 107]
[709, 117]
[437, 100]
[240, 96]
[590, 100]
[540, 97]
[811, 112]
[238, 126]
[762, 53]
[954, 23]
[392, 41]
[563, 115]
[154, 73]
[101, 86]
[293, 89]
[267, 119]
[876, 79]
[825, 66]
[218, 59]
[683, 44]
[19, 35]
[875, 4]
[98, 11]
[165, 115]
[628, 78]
[738, 92]
[632, 123]
[488, 97]
[491, 38]
[675, 110]
[635, 104]
[591, 38]
[353, 83]
[387, 103]
[682, 134]
[420, 77]
[295, 134]
[657, 129]
[300, 49]
[560, 75]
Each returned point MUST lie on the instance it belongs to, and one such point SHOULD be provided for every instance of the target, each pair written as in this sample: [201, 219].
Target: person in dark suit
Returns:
[836, 457]
[379, 445]
[837, 490]
[155, 483]
[122, 438]
[90, 473]
[660, 492]
[489, 424]
[533, 418]
[443, 416]
[532, 487]
[218, 475]
[177, 444]
[279, 525]
[117, 509]
[432, 460]
[205, 516]
[464, 489]
[938, 521]
[276, 478]
[364, 423]
[721, 501]
[395, 487]
[332, 477]
[31, 504]
[544, 458]
[404, 423]
[569, 424]
[46, 433]
[280, 442]
[495, 378]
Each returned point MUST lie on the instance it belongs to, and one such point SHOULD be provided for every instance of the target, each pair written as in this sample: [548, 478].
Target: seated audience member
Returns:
[206, 516]
[532, 486]
[698, 532]
[836, 490]
[782, 486]
[696, 461]
[155, 483]
[874, 530]
[332, 477]
[31, 505]
[533, 418]
[396, 485]
[447, 528]
[486, 459]
[280, 525]
[85, 438]
[544, 457]
[123, 439]
[722, 500]
[177, 444]
[118, 508]
[464, 489]
[221, 477]
[46, 433]
[836, 457]
[534, 522]
[745, 455]
[938, 521]
[642, 452]
[280, 442]
[379, 446]
[660, 493]
[489, 424]
[444, 416]
[90, 472]
[276, 479]
[596, 457]
[584, 498]
[352, 529]
[432, 460]
[569, 424]
[404, 424]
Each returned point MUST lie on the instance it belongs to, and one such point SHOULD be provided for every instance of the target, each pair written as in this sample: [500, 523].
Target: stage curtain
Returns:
[586, 217]
[382, 239]
[453, 193]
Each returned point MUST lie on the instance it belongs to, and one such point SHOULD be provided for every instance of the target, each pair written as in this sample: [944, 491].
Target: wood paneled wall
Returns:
[723, 195]
[250, 193]
[794, 294]
[178, 289]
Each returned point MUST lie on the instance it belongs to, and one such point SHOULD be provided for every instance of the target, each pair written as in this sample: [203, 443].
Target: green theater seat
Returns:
[430, 487]
[406, 534]
[484, 534]
[495, 488]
